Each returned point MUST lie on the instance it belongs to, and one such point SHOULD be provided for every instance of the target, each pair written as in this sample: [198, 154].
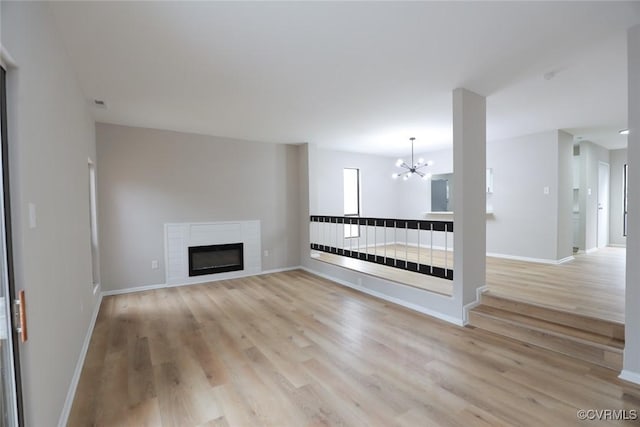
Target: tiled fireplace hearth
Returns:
[201, 252]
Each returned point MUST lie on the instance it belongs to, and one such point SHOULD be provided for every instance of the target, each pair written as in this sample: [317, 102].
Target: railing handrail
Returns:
[412, 224]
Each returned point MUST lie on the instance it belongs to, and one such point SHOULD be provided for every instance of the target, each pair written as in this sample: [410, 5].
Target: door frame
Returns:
[14, 378]
[606, 208]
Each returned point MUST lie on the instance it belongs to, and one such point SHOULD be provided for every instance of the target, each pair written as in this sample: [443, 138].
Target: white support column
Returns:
[469, 216]
[631, 366]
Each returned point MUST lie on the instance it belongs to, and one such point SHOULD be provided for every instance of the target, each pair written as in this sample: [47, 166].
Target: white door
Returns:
[603, 204]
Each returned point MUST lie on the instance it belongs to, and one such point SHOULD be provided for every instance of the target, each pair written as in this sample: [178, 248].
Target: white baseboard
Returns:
[197, 282]
[386, 297]
[471, 305]
[528, 259]
[632, 377]
[71, 393]
[617, 245]
[590, 251]
[134, 289]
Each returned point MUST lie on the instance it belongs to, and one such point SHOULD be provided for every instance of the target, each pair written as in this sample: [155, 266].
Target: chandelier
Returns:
[413, 169]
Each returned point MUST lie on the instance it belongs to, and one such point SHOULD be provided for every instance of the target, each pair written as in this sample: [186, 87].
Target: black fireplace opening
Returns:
[215, 259]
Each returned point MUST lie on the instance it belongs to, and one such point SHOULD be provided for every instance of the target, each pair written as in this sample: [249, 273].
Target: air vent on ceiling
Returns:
[99, 103]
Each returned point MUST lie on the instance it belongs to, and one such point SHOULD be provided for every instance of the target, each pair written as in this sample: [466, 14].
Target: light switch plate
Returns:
[546, 190]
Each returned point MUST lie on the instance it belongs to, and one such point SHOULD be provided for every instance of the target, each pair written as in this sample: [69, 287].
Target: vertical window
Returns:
[351, 179]
[625, 180]
[93, 220]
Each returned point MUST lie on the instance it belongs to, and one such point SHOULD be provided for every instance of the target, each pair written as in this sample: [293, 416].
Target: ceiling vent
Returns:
[99, 103]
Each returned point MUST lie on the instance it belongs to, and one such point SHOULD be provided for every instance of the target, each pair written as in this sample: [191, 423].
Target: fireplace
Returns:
[215, 259]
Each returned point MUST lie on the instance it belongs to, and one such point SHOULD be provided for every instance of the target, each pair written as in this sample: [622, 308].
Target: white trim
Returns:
[132, 290]
[617, 245]
[198, 282]
[472, 304]
[71, 393]
[414, 307]
[632, 377]
[6, 61]
[528, 259]
[590, 251]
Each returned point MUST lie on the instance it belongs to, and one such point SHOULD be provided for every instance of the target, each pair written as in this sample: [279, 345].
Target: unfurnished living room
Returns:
[319, 213]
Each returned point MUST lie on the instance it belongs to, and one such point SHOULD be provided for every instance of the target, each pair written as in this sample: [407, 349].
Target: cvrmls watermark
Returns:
[607, 414]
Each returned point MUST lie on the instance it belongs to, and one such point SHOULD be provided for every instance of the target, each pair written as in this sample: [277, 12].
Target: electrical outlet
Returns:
[546, 190]
[266, 252]
[154, 264]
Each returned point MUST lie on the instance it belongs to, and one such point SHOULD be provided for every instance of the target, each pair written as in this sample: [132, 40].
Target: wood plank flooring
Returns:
[292, 349]
[591, 285]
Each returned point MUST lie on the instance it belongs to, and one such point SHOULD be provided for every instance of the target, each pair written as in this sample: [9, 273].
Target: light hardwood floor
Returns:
[292, 349]
[591, 285]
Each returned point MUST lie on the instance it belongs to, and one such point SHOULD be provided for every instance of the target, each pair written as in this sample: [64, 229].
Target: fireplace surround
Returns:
[180, 237]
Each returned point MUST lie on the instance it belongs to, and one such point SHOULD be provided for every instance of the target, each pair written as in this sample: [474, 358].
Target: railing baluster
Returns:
[446, 250]
[385, 241]
[366, 239]
[406, 243]
[395, 243]
[431, 250]
[419, 246]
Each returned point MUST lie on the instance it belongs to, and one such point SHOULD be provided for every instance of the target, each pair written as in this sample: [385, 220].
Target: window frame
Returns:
[349, 228]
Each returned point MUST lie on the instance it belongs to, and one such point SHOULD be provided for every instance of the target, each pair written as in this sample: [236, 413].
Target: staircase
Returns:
[594, 340]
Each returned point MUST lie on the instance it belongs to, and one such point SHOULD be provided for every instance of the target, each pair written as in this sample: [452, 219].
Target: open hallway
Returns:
[292, 349]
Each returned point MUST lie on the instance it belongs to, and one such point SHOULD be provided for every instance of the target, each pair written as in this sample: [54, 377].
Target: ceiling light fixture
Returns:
[414, 168]
[624, 132]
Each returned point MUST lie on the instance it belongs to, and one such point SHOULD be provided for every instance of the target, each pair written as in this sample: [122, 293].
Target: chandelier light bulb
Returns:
[409, 169]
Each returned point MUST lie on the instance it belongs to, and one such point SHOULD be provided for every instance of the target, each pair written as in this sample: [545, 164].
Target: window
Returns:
[351, 200]
[93, 221]
[625, 180]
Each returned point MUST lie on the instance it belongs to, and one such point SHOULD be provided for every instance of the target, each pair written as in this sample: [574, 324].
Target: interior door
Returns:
[10, 394]
[603, 204]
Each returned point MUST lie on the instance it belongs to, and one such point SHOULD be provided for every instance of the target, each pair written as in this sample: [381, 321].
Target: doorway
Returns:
[603, 204]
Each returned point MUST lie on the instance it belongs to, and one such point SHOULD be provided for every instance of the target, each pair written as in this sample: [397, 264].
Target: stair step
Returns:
[591, 347]
[603, 327]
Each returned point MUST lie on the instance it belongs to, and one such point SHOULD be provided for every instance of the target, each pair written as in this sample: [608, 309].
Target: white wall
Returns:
[378, 191]
[51, 136]
[525, 219]
[618, 160]
[147, 178]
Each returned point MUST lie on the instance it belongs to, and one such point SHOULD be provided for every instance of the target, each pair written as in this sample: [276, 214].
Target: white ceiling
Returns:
[358, 76]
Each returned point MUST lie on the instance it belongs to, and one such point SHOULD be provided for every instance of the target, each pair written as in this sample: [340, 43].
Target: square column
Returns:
[469, 216]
